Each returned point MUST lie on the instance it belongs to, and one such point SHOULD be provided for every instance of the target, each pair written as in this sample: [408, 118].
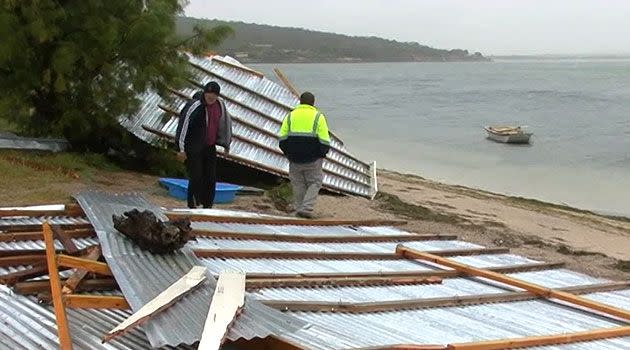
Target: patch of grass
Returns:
[623, 265]
[281, 196]
[8, 126]
[395, 205]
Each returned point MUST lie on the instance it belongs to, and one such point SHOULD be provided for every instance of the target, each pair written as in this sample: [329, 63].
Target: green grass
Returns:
[395, 205]
[623, 265]
[281, 196]
[7, 126]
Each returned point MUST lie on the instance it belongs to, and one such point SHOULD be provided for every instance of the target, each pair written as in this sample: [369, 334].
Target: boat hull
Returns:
[519, 138]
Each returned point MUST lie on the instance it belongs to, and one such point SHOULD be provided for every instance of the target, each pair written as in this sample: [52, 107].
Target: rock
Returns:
[151, 234]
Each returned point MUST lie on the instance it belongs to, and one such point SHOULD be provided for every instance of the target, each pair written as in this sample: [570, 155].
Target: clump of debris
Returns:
[151, 234]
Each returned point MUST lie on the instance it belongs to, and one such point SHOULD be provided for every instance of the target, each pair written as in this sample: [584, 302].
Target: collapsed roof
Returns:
[258, 106]
[313, 284]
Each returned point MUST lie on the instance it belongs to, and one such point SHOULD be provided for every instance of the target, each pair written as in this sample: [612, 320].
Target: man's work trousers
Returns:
[202, 177]
[306, 180]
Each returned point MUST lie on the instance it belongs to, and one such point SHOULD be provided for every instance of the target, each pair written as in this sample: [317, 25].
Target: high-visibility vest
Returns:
[305, 120]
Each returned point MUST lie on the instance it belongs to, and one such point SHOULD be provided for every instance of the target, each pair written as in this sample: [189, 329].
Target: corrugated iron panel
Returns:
[459, 324]
[27, 324]
[216, 265]
[36, 144]
[448, 288]
[344, 173]
[142, 275]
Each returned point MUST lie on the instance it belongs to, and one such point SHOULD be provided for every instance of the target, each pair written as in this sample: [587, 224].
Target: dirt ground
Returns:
[589, 243]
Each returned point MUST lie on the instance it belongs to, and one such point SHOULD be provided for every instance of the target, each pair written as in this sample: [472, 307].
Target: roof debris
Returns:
[319, 286]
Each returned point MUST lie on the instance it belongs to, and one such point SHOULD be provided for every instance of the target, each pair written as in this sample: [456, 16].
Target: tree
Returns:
[72, 67]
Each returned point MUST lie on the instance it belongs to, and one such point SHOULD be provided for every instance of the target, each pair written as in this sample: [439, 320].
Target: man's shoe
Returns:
[305, 215]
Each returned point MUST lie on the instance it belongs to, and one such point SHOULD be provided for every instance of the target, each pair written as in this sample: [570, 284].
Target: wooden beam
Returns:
[16, 253]
[38, 236]
[423, 303]
[535, 289]
[21, 260]
[275, 280]
[86, 264]
[73, 210]
[286, 82]
[243, 68]
[161, 302]
[283, 221]
[228, 299]
[545, 340]
[76, 301]
[36, 287]
[281, 254]
[256, 284]
[321, 238]
[36, 270]
[65, 342]
[38, 227]
[65, 240]
[73, 281]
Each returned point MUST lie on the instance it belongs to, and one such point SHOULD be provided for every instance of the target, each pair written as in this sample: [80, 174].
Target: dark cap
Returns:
[213, 87]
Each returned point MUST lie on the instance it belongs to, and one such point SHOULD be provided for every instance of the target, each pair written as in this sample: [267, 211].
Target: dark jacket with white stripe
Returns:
[192, 128]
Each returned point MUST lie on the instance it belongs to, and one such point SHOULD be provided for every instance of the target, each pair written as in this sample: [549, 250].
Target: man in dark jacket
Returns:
[204, 124]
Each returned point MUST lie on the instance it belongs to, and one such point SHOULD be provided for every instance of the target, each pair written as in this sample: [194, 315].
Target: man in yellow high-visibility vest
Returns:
[305, 141]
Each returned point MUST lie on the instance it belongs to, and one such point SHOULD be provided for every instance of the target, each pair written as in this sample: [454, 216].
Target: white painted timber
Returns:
[168, 297]
[228, 299]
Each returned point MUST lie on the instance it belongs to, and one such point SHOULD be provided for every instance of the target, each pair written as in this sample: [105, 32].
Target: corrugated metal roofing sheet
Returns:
[29, 143]
[298, 230]
[24, 245]
[29, 325]
[142, 275]
[425, 326]
[258, 106]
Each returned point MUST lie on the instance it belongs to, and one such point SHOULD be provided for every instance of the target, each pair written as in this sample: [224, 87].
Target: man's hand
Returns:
[181, 156]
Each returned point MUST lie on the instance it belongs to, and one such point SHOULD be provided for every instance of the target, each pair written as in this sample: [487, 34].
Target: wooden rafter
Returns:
[38, 228]
[86, 264]
[73, 281]
[38, 235]
[423, 303]
[321, 238]
[65, 239]
[86, 285]
[279, 254]
[280, 280]
[283, 221]
[65, 342]
[76, 301]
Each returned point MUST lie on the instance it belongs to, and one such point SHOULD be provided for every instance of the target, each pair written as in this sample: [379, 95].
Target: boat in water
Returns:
[508, 134]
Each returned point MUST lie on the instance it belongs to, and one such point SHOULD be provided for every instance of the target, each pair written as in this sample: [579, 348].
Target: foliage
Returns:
[72, 68]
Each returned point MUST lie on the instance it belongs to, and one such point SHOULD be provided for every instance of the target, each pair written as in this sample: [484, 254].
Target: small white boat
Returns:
[508, 134]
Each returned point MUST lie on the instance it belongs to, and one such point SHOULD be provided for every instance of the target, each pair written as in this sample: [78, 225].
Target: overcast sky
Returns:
[498, 27]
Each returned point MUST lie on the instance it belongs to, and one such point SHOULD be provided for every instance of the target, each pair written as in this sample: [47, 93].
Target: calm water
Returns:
[427, 118]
